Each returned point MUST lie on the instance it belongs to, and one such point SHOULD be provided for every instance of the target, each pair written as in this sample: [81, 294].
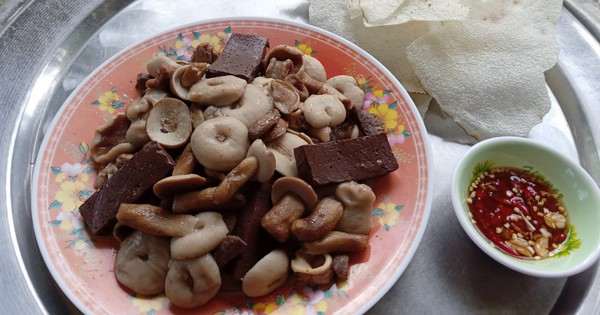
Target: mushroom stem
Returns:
[235, 179]
[278, 221]
[337, 242]
[202, 200]
[155, 220]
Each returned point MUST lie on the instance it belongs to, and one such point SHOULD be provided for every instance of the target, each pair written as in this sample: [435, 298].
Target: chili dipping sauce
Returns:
[518, 212]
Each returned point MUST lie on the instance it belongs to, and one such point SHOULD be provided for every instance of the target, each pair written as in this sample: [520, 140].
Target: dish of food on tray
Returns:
[229, 166]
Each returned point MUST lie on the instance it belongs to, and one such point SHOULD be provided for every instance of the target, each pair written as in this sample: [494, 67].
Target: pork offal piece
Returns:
[345, 160]
[248, 228]
[127, 185]
[241, 57]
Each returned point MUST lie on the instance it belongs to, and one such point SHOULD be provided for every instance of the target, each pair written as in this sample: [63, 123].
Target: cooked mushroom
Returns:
[217, 91]
[157, 221]
[347, 85]
[197, 114]
[290, 197]
[328, 89]
[314, 68]
[322, 219]
[266, 160]
[312, 269]
[177, 184]
[202, 200]
[208, 234]
[141, 263]
[191, 283]
[264, 124]
[323, 110]
[160, 60]
[186, 76]
[185, 162]
[283, 149]
[169, 123]
[337, 242]
[358, 202]
[281, 53]
[235, 179]
[267, 274]
[220, 143]
[252, 106]
[109, 140]
[285, 97]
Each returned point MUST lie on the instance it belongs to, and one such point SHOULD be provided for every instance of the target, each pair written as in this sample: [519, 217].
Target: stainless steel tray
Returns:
[49, 46]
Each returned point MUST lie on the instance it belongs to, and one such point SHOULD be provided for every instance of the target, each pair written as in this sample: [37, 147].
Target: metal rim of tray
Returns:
[579, 63]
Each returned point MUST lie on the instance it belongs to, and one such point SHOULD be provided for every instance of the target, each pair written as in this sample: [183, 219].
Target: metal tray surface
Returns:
[50, 46]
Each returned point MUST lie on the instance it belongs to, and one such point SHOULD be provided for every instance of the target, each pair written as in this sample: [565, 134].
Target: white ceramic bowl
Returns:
[581, 198]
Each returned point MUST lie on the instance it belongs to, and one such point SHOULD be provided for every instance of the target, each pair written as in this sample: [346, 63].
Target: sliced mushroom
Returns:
[141, 263]
[321, 221]
[301, 89]
[109, 140]
[337, 242]
[277, 131]
[192, 283]
[282, 53]
[252, 106]
[208, 234]
[279, 69]
[176, 184]
[283, 149]
[169, 123]
[220, 143]
[312, 269]
[347, 85]
[323, 111]
[197, 114]
[290, 197]
[186, 76]
[217, 91]
[264, 124]
[285, 97]
[267, 274]
[358, 202]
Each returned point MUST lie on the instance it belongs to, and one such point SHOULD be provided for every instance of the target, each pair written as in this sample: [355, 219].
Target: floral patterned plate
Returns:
[64, 174]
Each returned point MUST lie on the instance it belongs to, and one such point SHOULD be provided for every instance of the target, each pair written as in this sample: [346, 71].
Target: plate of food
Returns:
[233, 166]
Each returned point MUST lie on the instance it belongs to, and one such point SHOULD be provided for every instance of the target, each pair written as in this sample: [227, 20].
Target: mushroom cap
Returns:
[176, 184]
[266, 160]
[323, 110]
[254, 103]
[294, 185]
[169, 123]
[284, 52]
[218, 91]
[220, 143]
[283, 149]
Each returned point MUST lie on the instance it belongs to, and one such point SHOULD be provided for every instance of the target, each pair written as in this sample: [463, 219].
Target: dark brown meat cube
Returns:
[248, 228]
[241, 57]
[127, 185]
[229, 248]
[345, 160]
